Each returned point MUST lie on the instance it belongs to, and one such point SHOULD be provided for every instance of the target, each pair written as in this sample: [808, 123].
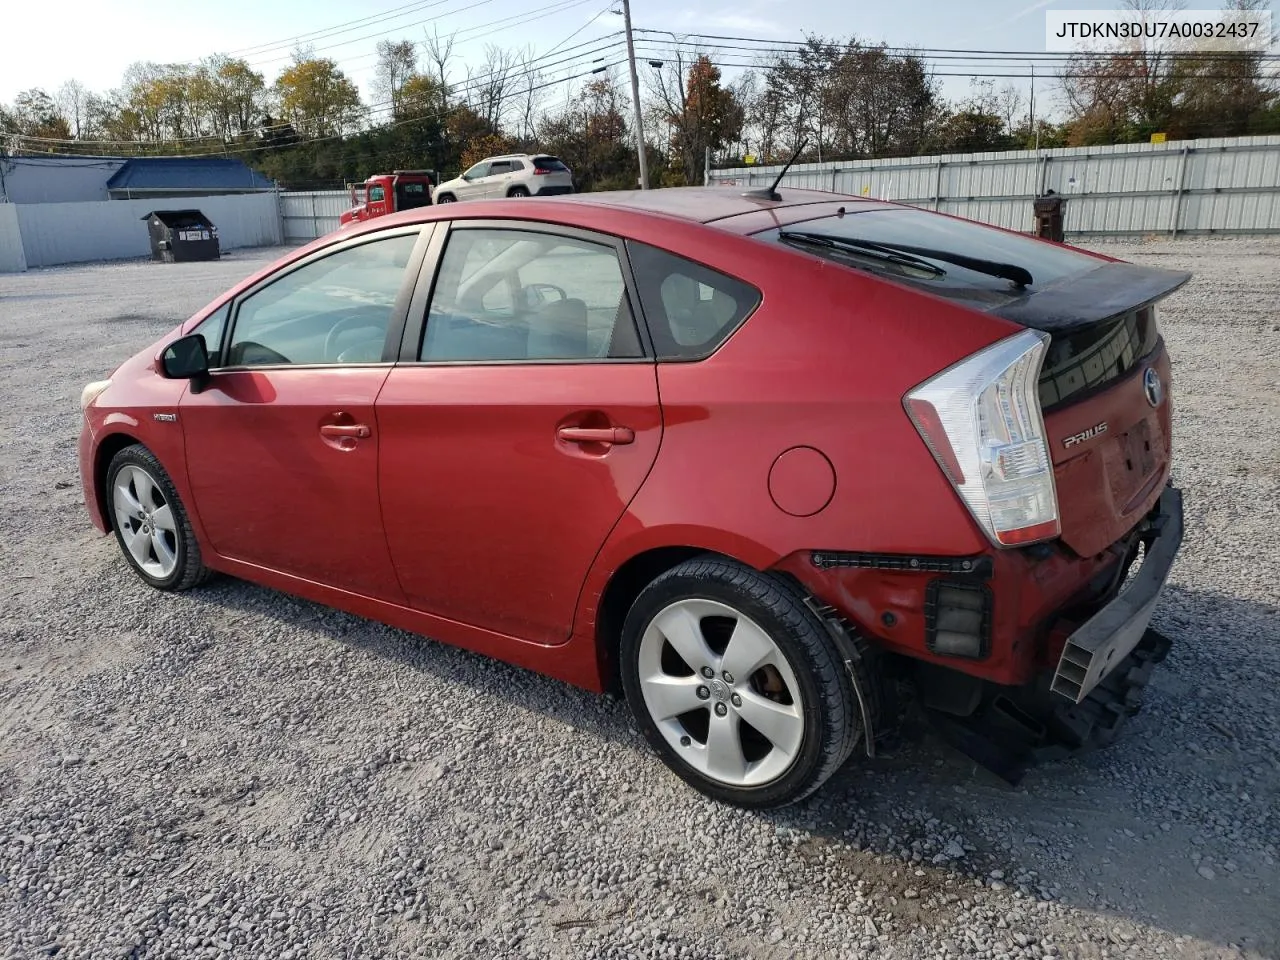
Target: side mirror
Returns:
[187, 359]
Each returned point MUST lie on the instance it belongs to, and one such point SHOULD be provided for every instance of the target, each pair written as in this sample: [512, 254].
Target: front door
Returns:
[282, 443]
[519, 433]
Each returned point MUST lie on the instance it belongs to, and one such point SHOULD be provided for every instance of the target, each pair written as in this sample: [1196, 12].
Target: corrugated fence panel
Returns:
[311, 214]
[12, 259]
[54, 233]
[1218, 185]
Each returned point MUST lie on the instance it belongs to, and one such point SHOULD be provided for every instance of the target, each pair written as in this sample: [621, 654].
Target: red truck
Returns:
[385, 193]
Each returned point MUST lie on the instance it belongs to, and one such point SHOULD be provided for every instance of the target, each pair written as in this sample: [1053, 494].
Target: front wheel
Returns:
[445, 198]
[737, 685]
[150, 522]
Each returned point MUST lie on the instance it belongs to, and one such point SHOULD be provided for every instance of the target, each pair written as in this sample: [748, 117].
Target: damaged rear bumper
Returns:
[1107, 638]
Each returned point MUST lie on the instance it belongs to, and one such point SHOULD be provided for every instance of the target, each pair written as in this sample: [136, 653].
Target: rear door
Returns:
[495, 184]
[518, 426]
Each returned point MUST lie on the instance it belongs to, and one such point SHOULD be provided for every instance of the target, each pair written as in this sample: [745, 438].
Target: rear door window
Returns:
[690, 309]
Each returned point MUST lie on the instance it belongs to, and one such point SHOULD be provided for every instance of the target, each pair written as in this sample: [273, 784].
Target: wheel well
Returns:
[623, 588]
[518, 186]
[109, 447]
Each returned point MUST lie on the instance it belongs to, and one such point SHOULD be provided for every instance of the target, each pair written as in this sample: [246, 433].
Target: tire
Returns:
[518, 192]
[796, 684]
[160, 546]
[446, 198]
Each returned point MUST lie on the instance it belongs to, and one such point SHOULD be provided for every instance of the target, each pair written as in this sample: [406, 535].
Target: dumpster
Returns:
[1049, 215]
[181, 235]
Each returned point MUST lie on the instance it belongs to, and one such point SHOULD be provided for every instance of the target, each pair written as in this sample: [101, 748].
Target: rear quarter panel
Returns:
[823, 362]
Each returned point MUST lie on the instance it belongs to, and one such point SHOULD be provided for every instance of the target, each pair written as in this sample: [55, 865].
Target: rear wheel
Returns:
[737, 685]
[445, 198]
[150, 522]
[518, 192]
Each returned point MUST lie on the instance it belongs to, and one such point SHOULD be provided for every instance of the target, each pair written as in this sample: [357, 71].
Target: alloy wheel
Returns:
[145, 521]
[721, 692]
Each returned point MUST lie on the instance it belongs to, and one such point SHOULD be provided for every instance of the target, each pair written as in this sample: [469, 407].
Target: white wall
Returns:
[55, 233]
[35, 179]
[12, 259]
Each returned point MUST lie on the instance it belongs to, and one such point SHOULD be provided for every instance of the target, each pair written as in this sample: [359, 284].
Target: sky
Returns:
[96, 40]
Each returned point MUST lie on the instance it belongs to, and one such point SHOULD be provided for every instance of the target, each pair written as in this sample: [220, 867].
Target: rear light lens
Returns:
[981, 420]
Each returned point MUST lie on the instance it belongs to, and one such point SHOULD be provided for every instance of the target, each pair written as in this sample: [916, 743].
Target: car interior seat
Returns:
[558, 330]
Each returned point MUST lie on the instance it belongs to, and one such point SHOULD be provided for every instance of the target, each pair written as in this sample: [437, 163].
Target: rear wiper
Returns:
[992, 268]
[860, 248]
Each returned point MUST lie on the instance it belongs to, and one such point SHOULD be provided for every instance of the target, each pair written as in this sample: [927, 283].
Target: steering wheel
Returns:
[356, 322]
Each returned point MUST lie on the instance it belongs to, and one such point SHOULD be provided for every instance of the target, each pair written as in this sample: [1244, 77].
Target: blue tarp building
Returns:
[53, 178]
[145, 177]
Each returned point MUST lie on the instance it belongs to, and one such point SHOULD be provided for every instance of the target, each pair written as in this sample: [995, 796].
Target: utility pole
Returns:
[1034, 128]
[635, 97]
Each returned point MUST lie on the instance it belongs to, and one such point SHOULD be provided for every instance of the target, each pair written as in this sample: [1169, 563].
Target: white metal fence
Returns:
[305, 215]
[1225, 185]
[52, 233]
[12, 259]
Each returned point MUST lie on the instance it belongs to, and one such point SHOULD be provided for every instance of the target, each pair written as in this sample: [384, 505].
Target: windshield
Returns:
[921, 231]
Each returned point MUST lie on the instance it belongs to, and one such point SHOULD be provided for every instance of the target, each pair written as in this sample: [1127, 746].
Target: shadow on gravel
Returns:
[1175, 825]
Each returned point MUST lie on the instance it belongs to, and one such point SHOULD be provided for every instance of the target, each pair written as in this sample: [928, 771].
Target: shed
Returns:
[181, 235]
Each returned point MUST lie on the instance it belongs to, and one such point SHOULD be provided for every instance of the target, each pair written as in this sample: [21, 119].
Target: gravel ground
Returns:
[235, 773]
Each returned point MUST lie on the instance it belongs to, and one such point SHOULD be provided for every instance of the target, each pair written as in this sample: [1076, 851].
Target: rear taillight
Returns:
[981, 420]
[538, 170]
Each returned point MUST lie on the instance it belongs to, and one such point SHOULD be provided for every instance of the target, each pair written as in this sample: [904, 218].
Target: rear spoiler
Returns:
[1080, 300]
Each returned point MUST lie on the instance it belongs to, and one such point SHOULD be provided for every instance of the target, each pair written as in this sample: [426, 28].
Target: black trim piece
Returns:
[1082, 299]
[980, 567]
[423, 288]
[931, 615]
[400, 309]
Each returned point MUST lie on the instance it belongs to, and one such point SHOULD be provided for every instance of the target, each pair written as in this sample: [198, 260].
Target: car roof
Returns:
[708, 204]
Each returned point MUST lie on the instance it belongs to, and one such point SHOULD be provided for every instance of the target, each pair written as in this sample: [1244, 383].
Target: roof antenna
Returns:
[771, 192]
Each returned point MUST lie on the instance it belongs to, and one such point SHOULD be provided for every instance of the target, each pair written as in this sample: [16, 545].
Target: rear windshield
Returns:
[923, 229]
[550, 163]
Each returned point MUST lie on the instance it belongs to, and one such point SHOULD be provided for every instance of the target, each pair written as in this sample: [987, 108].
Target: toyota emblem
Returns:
[1152, 387]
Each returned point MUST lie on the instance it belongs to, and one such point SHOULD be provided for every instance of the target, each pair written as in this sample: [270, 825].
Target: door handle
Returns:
[608, 435]
[357, 430]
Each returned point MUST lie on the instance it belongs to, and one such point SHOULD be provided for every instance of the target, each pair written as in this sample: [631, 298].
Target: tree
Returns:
[36, 115]
[440, 54]
[317, 98]
[493, 85]
[234, 96]
[397, 64]
[590, 134]
[701, 113]
[72, 101]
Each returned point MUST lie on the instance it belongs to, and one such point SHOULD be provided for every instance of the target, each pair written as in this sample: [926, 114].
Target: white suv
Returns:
[511, 175]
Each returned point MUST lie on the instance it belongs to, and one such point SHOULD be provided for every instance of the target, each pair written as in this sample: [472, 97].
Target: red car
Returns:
[761, 461]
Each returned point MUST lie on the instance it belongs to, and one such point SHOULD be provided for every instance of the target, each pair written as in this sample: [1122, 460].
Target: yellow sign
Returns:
[866, 190]
[1157, 138]
[749, 158]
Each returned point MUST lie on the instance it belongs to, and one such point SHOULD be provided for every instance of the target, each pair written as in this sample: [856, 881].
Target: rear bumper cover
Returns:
[552, 191]
[1101, 644]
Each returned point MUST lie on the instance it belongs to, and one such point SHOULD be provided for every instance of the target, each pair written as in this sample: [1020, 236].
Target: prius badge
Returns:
[1083, 435]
